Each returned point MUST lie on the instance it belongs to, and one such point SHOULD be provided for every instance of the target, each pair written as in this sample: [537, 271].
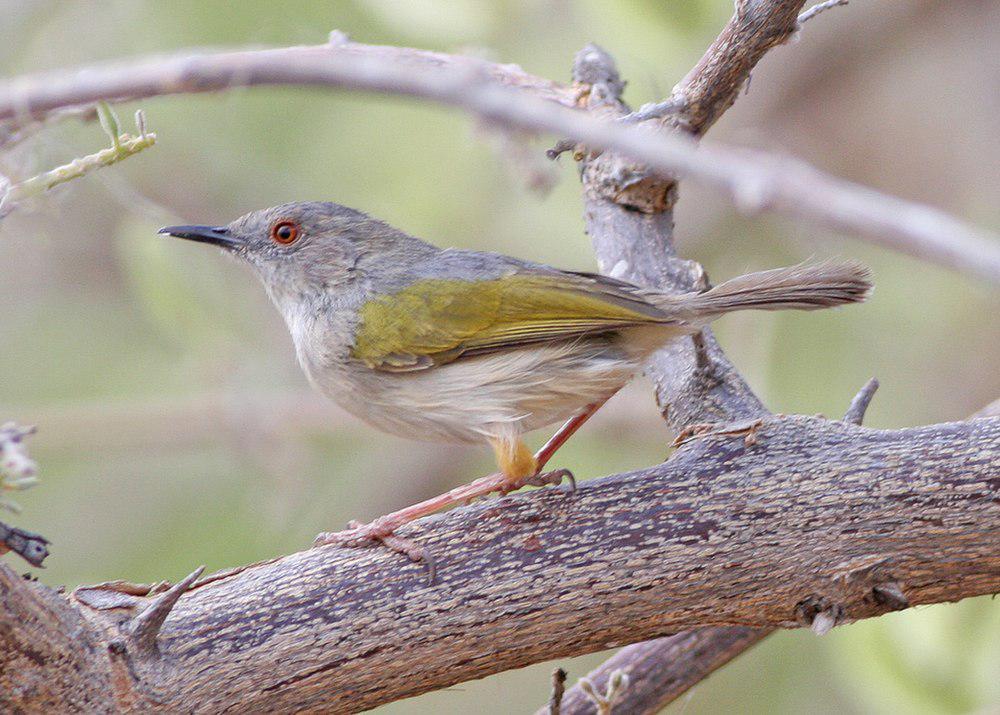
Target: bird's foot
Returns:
[380, 531]
[540, 479]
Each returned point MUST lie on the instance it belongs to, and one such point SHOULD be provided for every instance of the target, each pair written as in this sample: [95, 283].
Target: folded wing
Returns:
[438, 320]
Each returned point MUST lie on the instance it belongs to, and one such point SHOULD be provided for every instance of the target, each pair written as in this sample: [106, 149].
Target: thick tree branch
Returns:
[533, 577]
[694, 382]
[629, 216]
[712, 86]
[754, 180]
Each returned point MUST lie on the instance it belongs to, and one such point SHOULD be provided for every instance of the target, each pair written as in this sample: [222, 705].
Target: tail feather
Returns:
[807, 286]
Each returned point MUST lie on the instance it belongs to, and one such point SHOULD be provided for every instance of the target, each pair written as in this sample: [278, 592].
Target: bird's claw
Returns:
[541, 479]
[555, 478]
[379, 531]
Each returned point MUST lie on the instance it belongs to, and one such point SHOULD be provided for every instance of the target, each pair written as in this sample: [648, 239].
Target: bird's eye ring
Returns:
[285, 232]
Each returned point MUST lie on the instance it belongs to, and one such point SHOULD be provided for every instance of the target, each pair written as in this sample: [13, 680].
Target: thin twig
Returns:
[558, 688]
[654, 110]
[122, 147]
[859, 405]
[29, 546]
[754, 180]
[818, 8]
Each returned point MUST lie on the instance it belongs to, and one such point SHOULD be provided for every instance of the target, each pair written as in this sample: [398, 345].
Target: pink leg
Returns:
[565, 432]
[382, 528]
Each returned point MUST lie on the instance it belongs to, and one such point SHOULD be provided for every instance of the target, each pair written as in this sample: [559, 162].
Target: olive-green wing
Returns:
[435, 321]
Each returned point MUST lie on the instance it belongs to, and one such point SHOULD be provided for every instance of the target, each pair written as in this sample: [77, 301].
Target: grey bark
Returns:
[811, 519]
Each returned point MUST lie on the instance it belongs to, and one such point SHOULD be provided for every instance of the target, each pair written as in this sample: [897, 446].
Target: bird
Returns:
[457, 345]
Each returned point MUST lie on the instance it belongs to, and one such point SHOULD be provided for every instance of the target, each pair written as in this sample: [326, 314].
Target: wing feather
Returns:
[436, 321]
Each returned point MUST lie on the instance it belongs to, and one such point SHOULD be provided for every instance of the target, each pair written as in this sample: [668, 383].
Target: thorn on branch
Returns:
[143, 629]
[558, 688]
[859, 405]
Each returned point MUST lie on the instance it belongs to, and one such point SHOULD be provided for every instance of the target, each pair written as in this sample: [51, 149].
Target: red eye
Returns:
[284, 232]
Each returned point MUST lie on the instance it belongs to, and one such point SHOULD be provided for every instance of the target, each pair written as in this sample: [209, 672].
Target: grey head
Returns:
[311, 250]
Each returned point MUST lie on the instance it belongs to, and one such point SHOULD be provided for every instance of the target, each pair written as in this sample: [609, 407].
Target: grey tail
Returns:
[807, 286]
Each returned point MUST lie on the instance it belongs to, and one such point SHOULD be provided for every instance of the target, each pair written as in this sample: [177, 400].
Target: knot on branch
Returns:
[595, 75]
[890, 596]
[627, 183]
[818, 613]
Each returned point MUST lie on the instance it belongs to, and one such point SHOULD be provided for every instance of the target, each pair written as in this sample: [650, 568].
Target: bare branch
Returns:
[630, 220]
[754, 180]
[818, 8]
[31, 547]
[558, 688]
[51, 657]
[694, 383]
[237, 620]
[712, 86]
[662, 669]
[528, 578]
[859, 405]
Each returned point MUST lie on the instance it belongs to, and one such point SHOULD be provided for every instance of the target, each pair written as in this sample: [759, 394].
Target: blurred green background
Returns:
[176, 429]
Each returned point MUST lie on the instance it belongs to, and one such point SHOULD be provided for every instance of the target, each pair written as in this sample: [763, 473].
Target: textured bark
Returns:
[662, 669]
[628, 213]
[629, 217]
[812, 518]
[715, 82]
[51, 659]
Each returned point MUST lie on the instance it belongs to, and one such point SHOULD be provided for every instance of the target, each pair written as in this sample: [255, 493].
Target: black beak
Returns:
[217, 236]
